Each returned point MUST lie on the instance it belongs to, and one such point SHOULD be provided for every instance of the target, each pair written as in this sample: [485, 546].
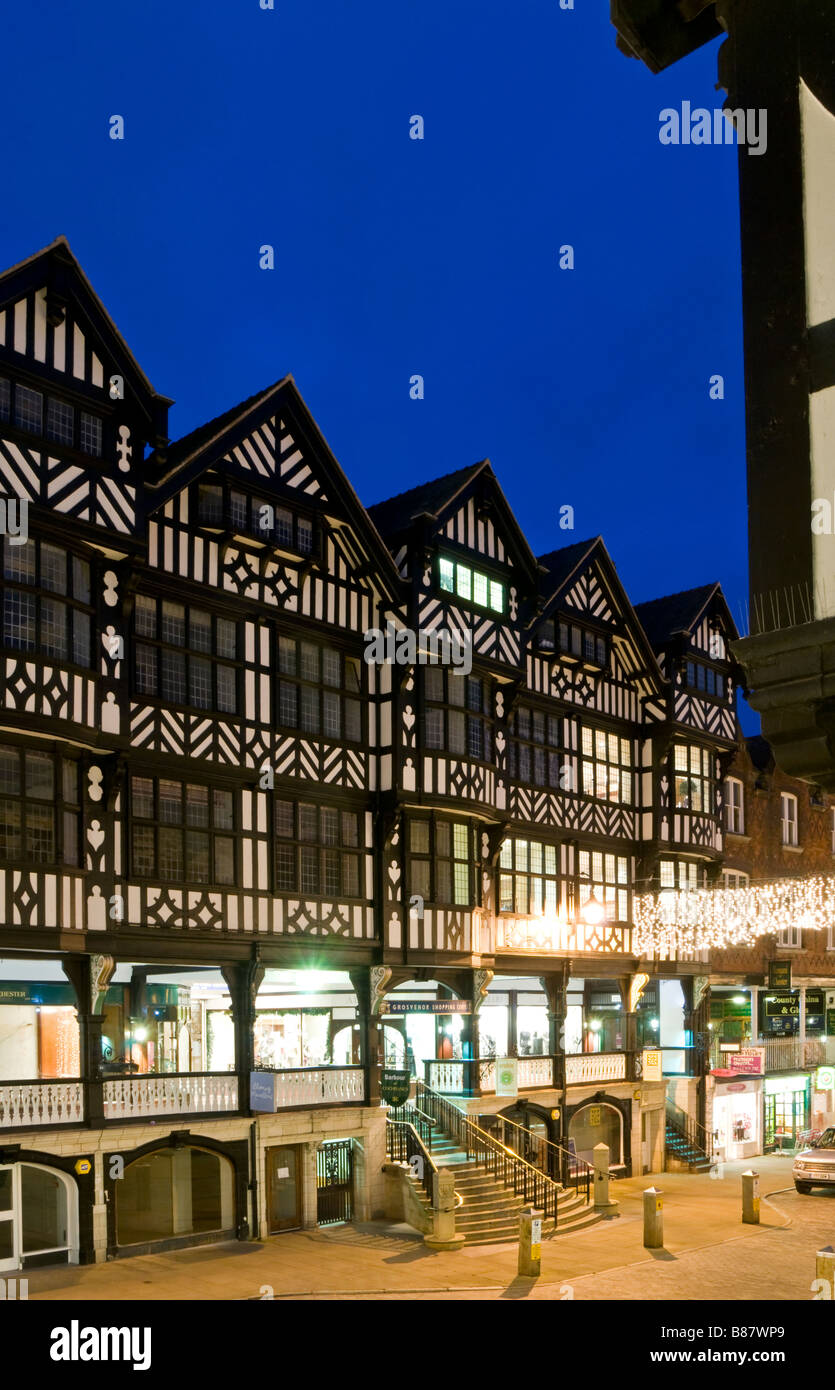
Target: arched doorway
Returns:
[174, 1192]
[594, 1123]
[38, 1216]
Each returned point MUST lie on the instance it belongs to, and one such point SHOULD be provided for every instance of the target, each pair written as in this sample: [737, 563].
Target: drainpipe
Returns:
[255, 1232]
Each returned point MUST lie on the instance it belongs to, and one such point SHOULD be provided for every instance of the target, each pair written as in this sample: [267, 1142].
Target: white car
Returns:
[815, 1166]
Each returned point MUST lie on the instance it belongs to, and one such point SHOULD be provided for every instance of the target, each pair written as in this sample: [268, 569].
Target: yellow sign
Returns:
[82, 1166]
[536, 1252]
[659, 1204]
[651, 1069]
[555, 1114]
[594, 1115]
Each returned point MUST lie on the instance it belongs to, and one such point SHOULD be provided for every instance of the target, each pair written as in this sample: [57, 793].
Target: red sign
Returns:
[749, 1061]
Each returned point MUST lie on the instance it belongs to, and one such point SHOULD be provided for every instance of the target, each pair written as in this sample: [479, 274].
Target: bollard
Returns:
[442, 1236]
[825, 1274]
[602, 1200]
[530, 1236]
[751, 1198]
[653, 1219]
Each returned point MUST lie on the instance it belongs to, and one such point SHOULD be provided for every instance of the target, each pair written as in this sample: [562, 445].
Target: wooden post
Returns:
[653, 1219]
[751, 1198]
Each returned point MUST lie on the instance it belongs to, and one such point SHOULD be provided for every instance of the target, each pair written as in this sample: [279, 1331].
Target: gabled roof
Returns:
[396, 513]
[562, 567]
[436, 498]
[662, 617]
[59, 256]
[175, 456]
[200, 449]
[561, 564]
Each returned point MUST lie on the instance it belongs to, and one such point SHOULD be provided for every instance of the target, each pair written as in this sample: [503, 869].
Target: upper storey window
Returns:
[607, 766]
[40, 807]
[457, 714]
[49, 416]
[184, 655]
[581, 644]
[319, 690]
[705, 679]
[471, 585]
[226, 507]
[46, 601]
[693, 779]
[532, 754]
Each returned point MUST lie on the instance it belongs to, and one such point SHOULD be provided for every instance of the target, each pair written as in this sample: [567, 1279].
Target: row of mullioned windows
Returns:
[220, 505]
[40, 808]
[471, 585]
[458, 715]
[441, 866]
[57, 621]
[51, 417]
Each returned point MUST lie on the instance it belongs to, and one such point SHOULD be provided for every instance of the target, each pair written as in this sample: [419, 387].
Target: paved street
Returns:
[708, 1254]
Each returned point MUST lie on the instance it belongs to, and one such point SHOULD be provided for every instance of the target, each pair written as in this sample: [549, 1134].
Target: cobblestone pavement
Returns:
[708, 1255]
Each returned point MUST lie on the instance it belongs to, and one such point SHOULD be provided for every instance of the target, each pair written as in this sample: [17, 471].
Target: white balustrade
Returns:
[487, 1074]
[535, 1071]
[319, 1086]
[133, 1097]
[595, 1066]
[782, 1054]
[24, 1104]
[447, 1077]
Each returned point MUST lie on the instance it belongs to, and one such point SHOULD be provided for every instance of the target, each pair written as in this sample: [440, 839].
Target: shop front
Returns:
[737, 1117]
[786, 1111]
[39, 1036]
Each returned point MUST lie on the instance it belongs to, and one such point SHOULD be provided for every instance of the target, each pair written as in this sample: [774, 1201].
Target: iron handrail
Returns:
[401, 1137]
[504, 1163]
[561, 1160]
[694, 1132]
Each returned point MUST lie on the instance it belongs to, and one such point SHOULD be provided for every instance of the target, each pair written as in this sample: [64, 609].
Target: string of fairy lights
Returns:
[698, 919]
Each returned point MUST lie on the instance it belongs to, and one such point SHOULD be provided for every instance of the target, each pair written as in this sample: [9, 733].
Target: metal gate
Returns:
[334, 1181]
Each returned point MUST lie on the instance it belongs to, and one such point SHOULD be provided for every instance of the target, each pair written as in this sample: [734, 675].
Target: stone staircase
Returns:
[489, 1212]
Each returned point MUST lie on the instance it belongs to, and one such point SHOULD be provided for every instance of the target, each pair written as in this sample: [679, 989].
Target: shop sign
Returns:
[825, 1079]
[778, 1085]
[749, 1061]
[395, 1086]
[426, 1006]
[651, 1066]
[782, 1006]
[262, 1091]
[779, 974]
[830, 1023]
[507, 1076]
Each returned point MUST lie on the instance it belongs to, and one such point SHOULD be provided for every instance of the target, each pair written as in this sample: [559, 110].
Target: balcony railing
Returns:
[27, 1104]
[538, 935]
[170, 1093]
[581, 1069]
[458, 1078]
[319, 1086]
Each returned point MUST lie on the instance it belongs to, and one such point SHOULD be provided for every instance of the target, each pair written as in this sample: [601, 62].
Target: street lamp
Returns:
[592, 912]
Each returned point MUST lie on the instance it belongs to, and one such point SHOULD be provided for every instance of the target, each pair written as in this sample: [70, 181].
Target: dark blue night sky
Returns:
[396, 257]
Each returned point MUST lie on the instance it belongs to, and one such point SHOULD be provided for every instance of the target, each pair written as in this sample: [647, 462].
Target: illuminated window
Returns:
[734, 820]
[471, 585]
[693, 779]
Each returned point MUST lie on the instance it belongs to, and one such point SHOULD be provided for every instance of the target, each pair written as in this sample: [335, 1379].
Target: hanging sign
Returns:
[262, 1091]
[825, 1079]
[507, 1076]
[779, 974]
[748, 1061]
[395, 1086]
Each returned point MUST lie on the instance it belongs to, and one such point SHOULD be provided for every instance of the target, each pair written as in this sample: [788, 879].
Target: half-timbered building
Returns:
[293, 790]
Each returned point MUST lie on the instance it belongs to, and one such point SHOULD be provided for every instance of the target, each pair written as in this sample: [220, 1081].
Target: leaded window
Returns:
[319, 690]
[223, 505]
[457, 718]
[40, 807]
[441, 868]
[693, 769]
[606, 766]
[317, 850]
[535, 749]
[182, 831]
[46, 601]
[528, 878]
[607, 878]
[185, 655]
[705, 679]
[471, 585]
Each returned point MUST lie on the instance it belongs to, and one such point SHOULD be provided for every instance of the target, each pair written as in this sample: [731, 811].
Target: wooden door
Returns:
[284, 1189]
